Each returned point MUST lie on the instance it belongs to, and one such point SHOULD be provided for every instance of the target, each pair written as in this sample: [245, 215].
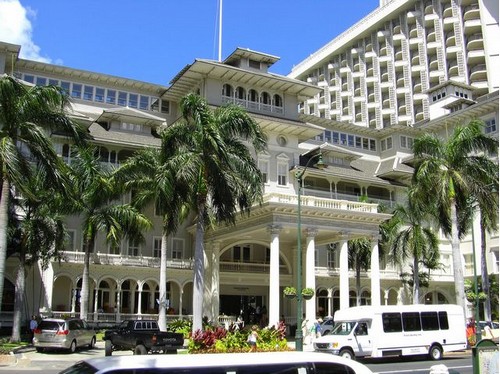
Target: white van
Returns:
[395, 330]
[291, 362]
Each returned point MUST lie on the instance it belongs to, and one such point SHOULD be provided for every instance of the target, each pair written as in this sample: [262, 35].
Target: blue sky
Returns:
[151, 40]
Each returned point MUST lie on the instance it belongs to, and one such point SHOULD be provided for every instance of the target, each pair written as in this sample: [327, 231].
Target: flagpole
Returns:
[220, 30]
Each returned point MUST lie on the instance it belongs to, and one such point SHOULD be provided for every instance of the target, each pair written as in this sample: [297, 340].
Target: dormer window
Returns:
[254, 64]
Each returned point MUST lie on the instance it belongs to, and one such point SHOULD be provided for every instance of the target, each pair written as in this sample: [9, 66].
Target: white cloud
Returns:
[15, 28]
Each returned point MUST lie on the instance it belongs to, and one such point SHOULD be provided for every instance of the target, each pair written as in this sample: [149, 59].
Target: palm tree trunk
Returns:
[162, 318]
[19, 298]
[84, 294]
[458, 273]
[358, 285]
[484, 276]
[4, 221]
[199, 269]
[416, 282]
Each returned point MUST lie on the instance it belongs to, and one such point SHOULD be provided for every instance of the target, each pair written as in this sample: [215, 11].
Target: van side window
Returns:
[411, 321]
[392, 322]
[331, 368]
[443, 320]
[429, 321]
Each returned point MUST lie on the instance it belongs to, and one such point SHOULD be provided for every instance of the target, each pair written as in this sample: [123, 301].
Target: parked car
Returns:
[58, 333]
[254, 363]
[326, 326]
[141, 337]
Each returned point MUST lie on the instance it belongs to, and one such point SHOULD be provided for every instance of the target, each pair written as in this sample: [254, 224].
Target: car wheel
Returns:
[108, 348]
[140, 350]
[92, 343]
[72, 347]
[435, 353]
[346, 353]
[39, 349]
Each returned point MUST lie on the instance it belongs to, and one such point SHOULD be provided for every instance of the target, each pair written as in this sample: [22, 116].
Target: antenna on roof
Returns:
[220, 30]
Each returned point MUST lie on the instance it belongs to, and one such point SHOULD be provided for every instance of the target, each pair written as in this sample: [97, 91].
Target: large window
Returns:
[415, 321]
[282, 173]
[491, 126]
[264, 170]
[157, 246]
[134, 248]
[177, 248]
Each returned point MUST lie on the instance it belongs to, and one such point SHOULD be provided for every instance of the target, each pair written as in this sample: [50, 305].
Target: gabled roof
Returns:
[131, 139]
[240, 53]
[131, 114]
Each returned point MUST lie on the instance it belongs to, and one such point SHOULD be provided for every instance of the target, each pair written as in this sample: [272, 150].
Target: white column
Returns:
[207, 292]
[73, 299]
[375, 272]
[311, 272]
[96, 301]
[274, 276]
[215, 299]
[118, 303]
[181, 293]
[48, 285]
[139, 299]
[330, 303]
[344, 273]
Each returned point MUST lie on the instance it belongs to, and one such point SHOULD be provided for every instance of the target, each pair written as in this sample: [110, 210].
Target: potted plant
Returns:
[290, 292]
[307, 293]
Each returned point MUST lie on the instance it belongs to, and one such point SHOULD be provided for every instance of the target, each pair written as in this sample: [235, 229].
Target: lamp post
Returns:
[476, 314]
[299, 176]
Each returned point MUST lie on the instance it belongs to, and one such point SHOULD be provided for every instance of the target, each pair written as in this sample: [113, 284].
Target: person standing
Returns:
[33, 326]
[252, 339]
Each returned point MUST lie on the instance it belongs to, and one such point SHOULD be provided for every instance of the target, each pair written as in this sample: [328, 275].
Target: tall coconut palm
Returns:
[212, 148]
[414, 241]
[453, 169]
[37, 233]
[26, 113]
[150, 174]
[359, 259]
[95, 199]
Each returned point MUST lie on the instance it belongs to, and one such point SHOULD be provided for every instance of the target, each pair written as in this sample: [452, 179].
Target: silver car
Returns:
[54, 333]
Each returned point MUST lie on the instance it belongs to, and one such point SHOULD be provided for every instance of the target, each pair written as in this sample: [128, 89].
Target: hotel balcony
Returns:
[471, 12]
[478, 73]
[472, 26]
[475, 42]
[453, 69]
[412, 14]
[253, 105]
[475, 57]
[450, 39]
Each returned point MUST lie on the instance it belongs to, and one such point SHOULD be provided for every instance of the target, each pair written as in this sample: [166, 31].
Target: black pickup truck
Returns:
[142, 337]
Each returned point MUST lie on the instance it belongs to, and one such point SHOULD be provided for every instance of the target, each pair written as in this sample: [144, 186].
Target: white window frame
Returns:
[282, 169]
[71, 246]
[177, 251]
[133, 248]
[156, 252]
[264, 169]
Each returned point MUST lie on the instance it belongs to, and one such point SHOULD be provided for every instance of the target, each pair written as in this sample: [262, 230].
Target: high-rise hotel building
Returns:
[406, 68]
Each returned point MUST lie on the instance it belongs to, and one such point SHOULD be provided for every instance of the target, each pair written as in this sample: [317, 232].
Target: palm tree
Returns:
[37, 233]
[95, 195]
[359, 259]
[453, 169]
[211, 147]
[414, 241]
[150, 174]
[25, 115]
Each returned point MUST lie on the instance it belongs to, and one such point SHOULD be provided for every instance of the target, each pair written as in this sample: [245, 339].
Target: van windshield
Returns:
[342, 328]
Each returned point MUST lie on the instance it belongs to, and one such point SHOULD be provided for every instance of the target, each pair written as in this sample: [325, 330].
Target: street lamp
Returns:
[299, 176]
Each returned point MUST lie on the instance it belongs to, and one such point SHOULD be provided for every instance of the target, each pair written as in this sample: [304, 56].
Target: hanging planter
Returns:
[307, 293]
[290, 292]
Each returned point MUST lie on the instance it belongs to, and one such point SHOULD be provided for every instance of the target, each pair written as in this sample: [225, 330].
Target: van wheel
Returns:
[108, 348]
[346, 353]
[72, 347]
[436, 353]
[39, 349]
[140, 350]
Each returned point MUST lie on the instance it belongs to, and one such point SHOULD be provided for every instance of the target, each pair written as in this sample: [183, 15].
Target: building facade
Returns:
[361, 113]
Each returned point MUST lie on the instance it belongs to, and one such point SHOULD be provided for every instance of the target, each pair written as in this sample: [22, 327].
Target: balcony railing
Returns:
[127, 260]
[253, 105]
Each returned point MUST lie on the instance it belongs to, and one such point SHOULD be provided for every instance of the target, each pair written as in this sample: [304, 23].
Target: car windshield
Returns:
[342, 328]
[79, 368]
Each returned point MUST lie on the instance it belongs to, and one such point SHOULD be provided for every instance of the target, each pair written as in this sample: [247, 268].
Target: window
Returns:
[264, 169]
[144, 102]
[133, 247]
[165, 106]
[253, 96]
[111, 97]
[122, 98]
[76, 92]
[443, 320]
[66, 153]
[177, 248]
[133, 100]
[29, 78]
[88, 93]
[411, 321]
[254, 64]
[227, 90]
[490, 126]
[157, 246]
[282, 173]
[53, 82]
[241, 254]
[429, 321]
[40, 81]
[70, 241]
[392, 322]
[114, 249]
[278, 101]
[265, 98]
[99, 95]
[406, 142]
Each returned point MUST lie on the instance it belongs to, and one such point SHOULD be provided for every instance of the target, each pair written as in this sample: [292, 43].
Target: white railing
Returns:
[127, 260]
[253, 105]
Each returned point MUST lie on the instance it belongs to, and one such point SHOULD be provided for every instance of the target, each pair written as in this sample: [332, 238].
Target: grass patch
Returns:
[6, 346]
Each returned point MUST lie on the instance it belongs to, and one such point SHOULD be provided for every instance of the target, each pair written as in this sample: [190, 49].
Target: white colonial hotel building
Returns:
[406, 68]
